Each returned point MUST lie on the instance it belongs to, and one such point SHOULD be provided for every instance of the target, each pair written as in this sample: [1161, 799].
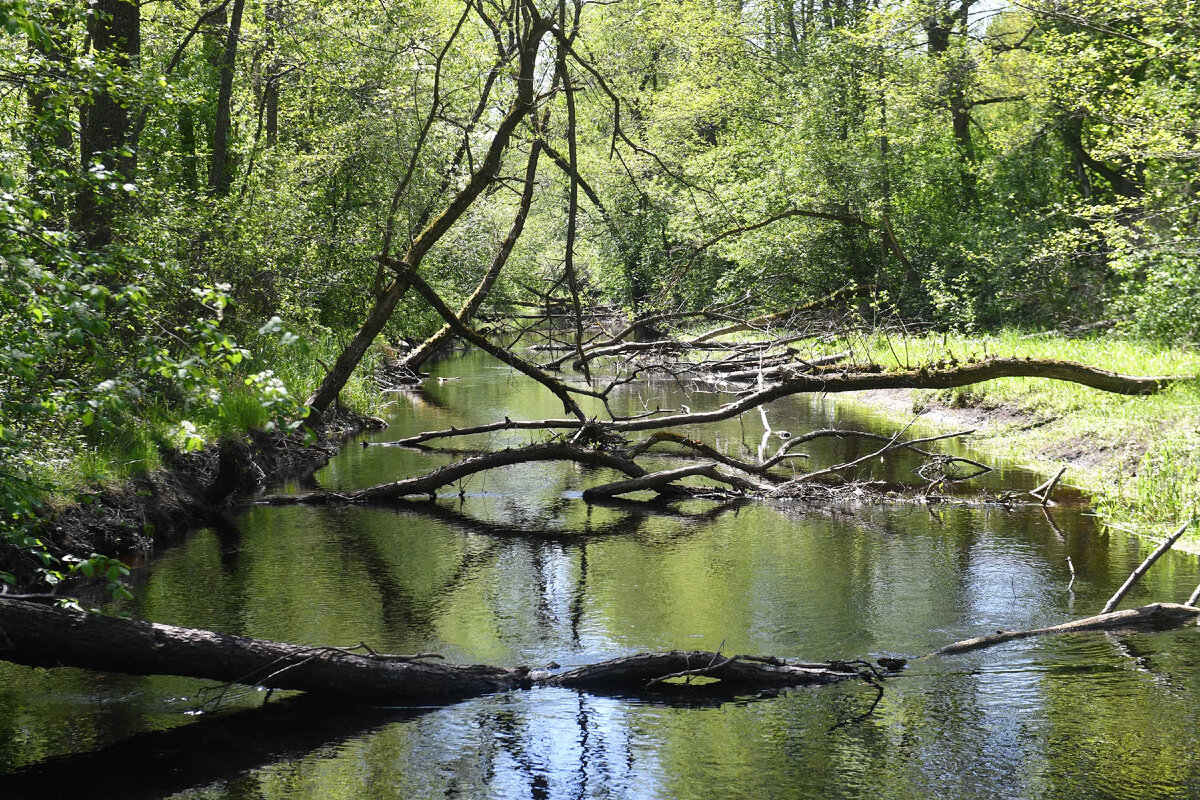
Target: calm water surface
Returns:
[518, 570]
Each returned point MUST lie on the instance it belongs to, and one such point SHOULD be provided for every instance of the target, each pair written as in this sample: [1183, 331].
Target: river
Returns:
[517, 569]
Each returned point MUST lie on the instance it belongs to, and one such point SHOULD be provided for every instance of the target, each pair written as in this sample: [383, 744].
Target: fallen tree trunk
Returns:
[429, 483]
[41, 636]
[1153, 615]
[853, 378]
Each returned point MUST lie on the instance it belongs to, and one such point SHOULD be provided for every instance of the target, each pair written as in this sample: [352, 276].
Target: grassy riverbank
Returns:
[1139, 457]
[157, 468]
[135, 445]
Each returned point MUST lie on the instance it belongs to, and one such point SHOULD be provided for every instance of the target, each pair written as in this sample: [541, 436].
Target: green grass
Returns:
[131, 447]
[1138, 456]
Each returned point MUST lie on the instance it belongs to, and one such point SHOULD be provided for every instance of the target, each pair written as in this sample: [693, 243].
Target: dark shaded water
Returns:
[520, 571]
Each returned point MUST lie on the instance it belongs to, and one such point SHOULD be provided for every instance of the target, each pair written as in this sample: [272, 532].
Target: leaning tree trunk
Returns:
[483, 177]
[422, 353]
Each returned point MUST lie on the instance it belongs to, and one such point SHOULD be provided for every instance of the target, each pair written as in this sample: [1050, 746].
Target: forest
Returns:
[235, 235]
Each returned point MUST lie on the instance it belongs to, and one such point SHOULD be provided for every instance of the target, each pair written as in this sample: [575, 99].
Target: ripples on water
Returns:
[520, 571]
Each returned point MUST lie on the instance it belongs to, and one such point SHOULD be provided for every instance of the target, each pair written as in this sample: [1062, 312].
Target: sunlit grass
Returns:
[1138, 456]
[133, 446]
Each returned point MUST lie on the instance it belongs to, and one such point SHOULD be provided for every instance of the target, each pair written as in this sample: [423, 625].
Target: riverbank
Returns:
[127, 488]
[1138, 457]
[129, 518]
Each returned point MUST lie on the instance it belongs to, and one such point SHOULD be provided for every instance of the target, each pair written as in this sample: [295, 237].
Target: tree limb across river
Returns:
[43, 636]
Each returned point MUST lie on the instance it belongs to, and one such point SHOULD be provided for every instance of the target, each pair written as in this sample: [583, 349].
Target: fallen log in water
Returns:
[1152, 616]
[42, 636]
[428, 484]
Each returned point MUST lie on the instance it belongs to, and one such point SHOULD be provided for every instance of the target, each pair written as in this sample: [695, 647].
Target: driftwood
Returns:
[41, 636]
[1042, 493]
[1167, 544]
[1154, 615]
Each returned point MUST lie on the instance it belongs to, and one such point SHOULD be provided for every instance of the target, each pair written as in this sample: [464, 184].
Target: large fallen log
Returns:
[42, 636]
[1152, 616]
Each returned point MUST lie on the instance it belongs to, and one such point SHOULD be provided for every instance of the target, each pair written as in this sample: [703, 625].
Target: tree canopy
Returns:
[192, 188]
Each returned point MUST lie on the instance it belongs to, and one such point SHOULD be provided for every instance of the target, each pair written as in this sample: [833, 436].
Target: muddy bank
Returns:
[1007, 432]
[131, 518]
[1100, 460]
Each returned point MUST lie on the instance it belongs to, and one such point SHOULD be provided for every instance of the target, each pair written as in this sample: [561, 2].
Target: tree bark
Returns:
[41, 636]
[48, 637]
[220, 174]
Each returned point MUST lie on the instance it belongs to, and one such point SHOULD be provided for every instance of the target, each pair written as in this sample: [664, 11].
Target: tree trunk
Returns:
[115, 28]
[220, 174]
[274, 13]
[41, 636]
[419, 356]
[386, 301]
[48, 135]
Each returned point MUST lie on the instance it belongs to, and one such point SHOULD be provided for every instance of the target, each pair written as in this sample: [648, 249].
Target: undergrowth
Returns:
[134, 447]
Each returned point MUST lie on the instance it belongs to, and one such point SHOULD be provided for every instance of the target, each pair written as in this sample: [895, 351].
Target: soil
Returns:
[1083, 452]
[130, 519]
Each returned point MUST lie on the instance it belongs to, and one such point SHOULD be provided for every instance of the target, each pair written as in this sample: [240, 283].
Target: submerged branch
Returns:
[1155, 614]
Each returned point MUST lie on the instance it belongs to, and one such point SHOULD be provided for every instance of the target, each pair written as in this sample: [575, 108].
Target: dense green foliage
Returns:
[185, 182]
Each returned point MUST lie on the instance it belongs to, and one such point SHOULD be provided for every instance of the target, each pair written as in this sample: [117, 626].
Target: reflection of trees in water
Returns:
[557, 559]
[222, 748]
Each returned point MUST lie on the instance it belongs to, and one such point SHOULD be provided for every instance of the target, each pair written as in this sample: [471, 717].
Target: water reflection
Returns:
[518, 570]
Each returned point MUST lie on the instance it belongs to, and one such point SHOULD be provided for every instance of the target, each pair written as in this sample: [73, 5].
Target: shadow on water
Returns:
[215, 748]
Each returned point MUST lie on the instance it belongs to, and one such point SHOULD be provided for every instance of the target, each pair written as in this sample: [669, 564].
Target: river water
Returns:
[519, 570]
